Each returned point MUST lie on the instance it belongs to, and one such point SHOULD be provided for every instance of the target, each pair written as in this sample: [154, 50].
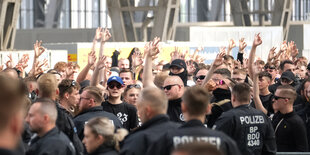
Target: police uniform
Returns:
[104, 149]
[250, 128]
[139, 140]
[54, 142]
[193, 131]
[65, 124]
[125, 112]
[290, 131]
[174, 110]
[81, 119]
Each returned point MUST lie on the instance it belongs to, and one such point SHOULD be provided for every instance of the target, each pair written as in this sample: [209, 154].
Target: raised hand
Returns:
[242, 44]
[38, 49]
[91, 58]
[271, 54]
[219, 59]
[223, 49]
[98, 33]
[190, 67]
[105, 35]
[152, 48]
[101, 62]
[257, 40]
[9, 63]
[283, 46]
[231, 44]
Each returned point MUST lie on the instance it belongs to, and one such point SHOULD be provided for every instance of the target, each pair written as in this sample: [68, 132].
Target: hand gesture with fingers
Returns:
[219, 59]
[38, 49]
[242, 45]
[98, 33]
[257, 40]
[101, 62]
[106, 35]
[91, 58]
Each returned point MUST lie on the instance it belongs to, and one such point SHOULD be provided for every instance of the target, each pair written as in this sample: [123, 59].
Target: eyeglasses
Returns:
[118, 86]
[279, 97]
[201, 77]
[73, 83]
[133, 86]
[86, 98]
[270, 67]
[168, 87]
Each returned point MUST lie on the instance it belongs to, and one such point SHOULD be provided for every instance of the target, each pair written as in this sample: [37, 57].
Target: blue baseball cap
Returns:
[116, 79]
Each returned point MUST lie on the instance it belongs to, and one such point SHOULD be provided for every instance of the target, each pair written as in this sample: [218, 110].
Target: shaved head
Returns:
[173, 87]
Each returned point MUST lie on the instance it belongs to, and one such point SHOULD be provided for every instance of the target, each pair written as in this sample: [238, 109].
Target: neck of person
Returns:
[8, 140]
[115, 100]
[237, 103]
[46, 129]
[287, 109]
[264, 91]
[65, 104]
[201, 118]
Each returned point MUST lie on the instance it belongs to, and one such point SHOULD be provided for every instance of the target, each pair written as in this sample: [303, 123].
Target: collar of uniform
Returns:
[96, 108]
[51, 132]
[287, 115]
[243, 106]
[103, 148]
[176, 101]
[155, 120]
[193, 122]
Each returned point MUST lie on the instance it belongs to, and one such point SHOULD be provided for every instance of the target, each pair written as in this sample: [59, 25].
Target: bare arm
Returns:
[257, 101]
[217, 62]
[91, 60]
[105, 36]
[257, 41]
[150, 49]
[38, 50]
[99, 66]
[231, 45]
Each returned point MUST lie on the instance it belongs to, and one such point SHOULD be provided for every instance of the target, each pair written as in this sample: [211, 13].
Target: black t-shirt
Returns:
[174, 111]
[125, 112]
[267, 102]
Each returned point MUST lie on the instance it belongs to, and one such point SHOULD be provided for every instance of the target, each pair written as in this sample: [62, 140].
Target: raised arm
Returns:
[99, 66]
[231, 45]
[91, 61]
[151, 50]
[105, 36]
[217, 62]
[257, 101]
[38, 50]
[257, 41]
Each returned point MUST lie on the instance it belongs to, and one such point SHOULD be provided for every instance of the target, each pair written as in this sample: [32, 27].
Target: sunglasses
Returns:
[118, 86]
[72, 84]
[168, 87]
[270, 67]
[133, 86]
[279, 97]
[201, 77]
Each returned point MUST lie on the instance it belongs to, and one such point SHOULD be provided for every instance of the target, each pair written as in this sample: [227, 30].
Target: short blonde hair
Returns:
[47, 84]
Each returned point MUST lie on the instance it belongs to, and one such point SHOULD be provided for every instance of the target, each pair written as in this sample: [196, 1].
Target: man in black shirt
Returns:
[49, 139]
[249, 127]
[195, 105]
[152, 107]
[290, 130]
[125, 112]
[174, 89]
[264, 93]
[90, 107]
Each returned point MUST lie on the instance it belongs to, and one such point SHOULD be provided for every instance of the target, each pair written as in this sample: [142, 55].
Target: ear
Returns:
[233, 97]
[66, 95]
[148, 110]
[46, 118]
[37, 91]
[100, 139]
[57, 91]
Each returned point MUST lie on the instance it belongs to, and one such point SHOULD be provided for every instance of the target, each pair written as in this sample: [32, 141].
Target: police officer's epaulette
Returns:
[221, 102]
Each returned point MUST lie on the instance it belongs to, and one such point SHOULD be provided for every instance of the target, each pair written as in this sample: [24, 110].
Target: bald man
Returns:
[41, 118]
[152, 107]
[174, 90]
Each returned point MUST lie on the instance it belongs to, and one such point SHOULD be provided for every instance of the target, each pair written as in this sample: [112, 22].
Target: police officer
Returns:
[152, 106]
[90, 107]
[42, 117]
[195, 105]
[249, 127]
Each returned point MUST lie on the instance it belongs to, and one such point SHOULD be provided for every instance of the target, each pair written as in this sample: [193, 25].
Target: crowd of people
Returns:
[142, 106]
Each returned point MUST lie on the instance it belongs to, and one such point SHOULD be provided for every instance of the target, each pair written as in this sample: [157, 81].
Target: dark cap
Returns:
[288, 75]
[178, 63]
